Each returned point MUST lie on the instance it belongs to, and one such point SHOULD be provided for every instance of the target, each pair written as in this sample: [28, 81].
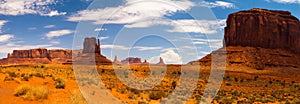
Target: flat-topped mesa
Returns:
[263, 28]
[131, 60]
[90, 45]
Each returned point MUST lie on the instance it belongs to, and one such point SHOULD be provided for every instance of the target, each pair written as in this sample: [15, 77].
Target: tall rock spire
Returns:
[161, 61]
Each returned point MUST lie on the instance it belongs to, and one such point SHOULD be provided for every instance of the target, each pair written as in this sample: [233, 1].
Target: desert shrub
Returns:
[23, 74]
[40, 75]
[31, 93]
[8, 79]
[228, 84]
[12, 74]
[59, 84]
[77, 98]
[236, 79]
[25, 78]
[270, 82]
[156, 95]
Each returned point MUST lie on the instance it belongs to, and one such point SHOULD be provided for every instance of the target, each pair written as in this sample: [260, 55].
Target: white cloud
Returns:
[169, 56]
[198, 26]
[215, 4]
[2, 23]
[5, 38]
[134, 13]
[21, 7]
[287, 1]
[100, 29]
[103, 38]
[58, 33]
[117, 47]
[55, 42]
[49, 26]
[143, 48]
[54, 13]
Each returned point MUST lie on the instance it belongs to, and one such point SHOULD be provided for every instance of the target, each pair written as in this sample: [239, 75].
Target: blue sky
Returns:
[177, 30]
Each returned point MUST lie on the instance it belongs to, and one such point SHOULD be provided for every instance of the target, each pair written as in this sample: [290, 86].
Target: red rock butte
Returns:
[91, 53]
[263, 28]
[259, 38]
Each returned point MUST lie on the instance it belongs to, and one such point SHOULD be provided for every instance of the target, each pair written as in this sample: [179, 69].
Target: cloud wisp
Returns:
[6, 37]
[215, 4]
[58, 33]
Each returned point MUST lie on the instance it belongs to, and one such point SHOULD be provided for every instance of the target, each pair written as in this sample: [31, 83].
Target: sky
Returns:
[179, 31]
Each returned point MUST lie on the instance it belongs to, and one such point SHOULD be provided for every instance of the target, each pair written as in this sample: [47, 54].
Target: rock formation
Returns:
[259, 38]
[38, 56]
[161, 61]
[91, 53]
[131, 60]
[116, 61]
[145, 63]
[90, 45]
[263, 28]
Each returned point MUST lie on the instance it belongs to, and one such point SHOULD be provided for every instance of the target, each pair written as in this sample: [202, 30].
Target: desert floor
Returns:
[57, 84]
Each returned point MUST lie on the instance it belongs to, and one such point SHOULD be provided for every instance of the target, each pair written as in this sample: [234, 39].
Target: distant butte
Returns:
[161, 61]
[259, 38]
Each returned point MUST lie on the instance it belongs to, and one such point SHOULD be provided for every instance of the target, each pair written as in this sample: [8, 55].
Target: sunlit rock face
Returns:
[263, 28]
[259, 38]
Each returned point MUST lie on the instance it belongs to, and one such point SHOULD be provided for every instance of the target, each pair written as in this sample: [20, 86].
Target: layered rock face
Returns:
[259, 38]
[89, 45]
[263, 28]
[38, 56]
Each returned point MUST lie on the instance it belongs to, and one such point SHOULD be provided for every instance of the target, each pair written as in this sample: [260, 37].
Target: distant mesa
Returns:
[131, 60]
[260, 38]
[39, 56]
[91, 54]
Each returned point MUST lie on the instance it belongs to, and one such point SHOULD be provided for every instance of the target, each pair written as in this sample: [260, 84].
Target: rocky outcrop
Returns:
[161, 61]
[131, 60]
[263, 28]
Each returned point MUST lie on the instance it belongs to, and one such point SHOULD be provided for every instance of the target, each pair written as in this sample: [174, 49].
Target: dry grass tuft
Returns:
[31, 93]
